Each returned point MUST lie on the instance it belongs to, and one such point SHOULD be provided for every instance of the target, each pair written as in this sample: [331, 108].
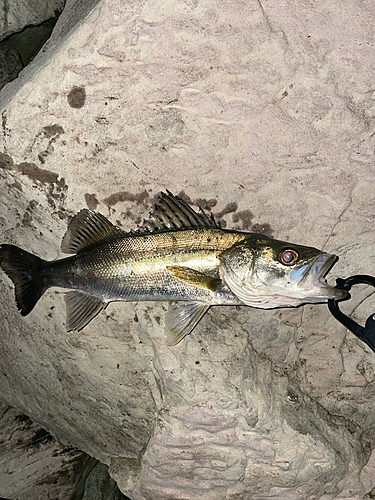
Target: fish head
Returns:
[266, 273]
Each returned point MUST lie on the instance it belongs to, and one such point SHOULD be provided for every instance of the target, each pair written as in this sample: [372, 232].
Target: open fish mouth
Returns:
[314, 278]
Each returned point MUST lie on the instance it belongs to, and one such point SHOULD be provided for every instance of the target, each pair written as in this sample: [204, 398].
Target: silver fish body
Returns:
[135, 267]
[179, 256]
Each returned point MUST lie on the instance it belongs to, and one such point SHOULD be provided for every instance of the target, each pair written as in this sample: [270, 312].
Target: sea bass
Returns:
[178, 255]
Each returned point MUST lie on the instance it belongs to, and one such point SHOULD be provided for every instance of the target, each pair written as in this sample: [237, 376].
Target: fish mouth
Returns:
[314, 278]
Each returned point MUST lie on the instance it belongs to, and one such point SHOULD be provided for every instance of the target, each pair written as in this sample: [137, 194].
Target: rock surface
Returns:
[17, 14]
[10, 65]
[33, 465]
[100, 486]
[262, 112]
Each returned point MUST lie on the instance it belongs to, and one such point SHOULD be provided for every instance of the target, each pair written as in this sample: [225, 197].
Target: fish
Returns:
[177, 255]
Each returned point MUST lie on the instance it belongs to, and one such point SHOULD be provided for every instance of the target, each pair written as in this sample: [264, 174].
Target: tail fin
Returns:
[24, 269]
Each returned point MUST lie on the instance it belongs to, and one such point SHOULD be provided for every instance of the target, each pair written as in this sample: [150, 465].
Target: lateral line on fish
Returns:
[178, 255]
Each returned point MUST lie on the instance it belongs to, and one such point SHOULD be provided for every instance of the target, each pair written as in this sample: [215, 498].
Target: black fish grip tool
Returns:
[365, 333]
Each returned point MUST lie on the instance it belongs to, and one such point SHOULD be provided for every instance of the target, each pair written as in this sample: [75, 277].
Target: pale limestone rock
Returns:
[263, 112]
[34, 466]
[17, 14]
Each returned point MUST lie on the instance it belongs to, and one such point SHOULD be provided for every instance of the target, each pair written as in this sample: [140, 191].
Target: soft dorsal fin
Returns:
[88, 228]
[172, 212]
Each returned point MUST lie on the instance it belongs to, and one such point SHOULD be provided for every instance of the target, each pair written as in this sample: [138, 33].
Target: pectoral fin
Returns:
[194, 277]
[80, 309]
[181, 318]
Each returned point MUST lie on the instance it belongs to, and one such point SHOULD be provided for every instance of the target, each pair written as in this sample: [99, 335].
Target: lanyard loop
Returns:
[365, 333]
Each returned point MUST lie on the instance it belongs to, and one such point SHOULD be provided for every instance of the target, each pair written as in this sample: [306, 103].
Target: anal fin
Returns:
[80, 309]
[182, 317]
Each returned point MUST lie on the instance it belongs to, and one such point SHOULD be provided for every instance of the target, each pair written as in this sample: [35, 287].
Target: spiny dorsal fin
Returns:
[172, 212]
[80, 309]
[181, 318]
[88, 228]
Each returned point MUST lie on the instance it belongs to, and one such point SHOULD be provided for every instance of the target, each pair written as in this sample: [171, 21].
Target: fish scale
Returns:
[178, 255]
[134, 268]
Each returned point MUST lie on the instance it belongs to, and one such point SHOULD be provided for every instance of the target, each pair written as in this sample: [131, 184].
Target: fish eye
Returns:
[288, 257]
